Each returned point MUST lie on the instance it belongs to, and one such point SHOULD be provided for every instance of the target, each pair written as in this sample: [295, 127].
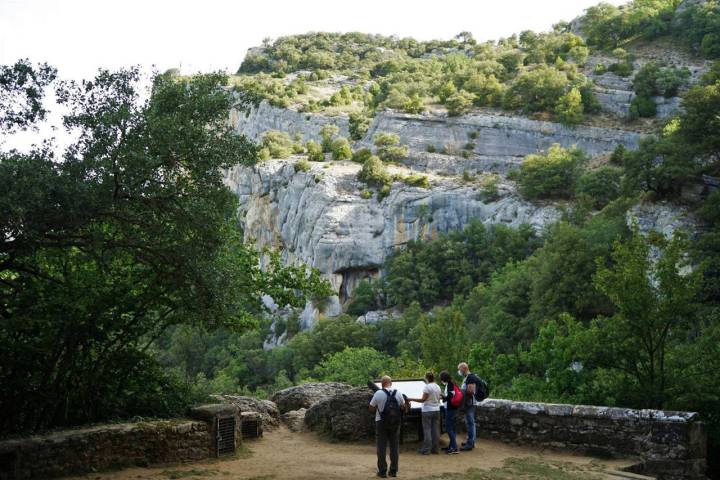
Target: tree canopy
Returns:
[126, 232]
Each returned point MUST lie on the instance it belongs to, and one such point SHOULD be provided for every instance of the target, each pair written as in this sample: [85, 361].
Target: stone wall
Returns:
[667, 445]
[105, 447]
[670, 445]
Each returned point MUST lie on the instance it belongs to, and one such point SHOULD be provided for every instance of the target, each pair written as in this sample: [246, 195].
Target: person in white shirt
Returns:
[387, 405]
[431, 400]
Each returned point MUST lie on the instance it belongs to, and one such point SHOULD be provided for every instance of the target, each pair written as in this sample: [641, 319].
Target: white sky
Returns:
[78, 36]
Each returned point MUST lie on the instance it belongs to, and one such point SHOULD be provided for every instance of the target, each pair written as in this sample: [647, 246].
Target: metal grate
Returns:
[225, 435]
[250, 428]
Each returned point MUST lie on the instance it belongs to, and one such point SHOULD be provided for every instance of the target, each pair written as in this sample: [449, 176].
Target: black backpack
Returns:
[482, 391]
[391, 415]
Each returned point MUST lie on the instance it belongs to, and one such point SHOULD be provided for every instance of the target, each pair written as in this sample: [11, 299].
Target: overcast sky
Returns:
[78, 36]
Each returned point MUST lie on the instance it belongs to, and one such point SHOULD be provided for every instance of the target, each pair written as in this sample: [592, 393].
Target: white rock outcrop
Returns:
[319, 217]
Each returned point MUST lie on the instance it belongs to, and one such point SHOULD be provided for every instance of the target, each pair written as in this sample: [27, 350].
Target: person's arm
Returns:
[471, 388]
[373, 404]
[419, 400]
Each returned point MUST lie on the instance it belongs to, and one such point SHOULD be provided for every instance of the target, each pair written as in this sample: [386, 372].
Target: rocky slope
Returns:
[321, 218]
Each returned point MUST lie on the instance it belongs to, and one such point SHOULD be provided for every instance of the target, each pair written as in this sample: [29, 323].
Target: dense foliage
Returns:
[128, 231]
[530, 72]
[551, 174]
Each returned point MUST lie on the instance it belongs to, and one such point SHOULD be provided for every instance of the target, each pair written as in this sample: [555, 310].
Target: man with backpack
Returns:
[388, 406]
[475, 391]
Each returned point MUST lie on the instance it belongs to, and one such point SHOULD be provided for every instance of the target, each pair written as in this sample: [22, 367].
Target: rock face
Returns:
[671, 445]
[294, 420]
[268, 410]
[664, 218]
[306, 395]
[499, 138]
[264, 117]
[344, 416]
[319, 217]
[616, 93]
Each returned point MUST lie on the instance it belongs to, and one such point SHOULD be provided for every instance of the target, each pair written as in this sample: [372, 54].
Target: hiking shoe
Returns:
[466, 448]
[452, 451]
[423, 452]
[393, 474]
[382, 474]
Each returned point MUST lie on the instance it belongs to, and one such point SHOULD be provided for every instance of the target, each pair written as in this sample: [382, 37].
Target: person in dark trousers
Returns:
[387, 426]
[450, 411]
[431, 399]
[470, 381]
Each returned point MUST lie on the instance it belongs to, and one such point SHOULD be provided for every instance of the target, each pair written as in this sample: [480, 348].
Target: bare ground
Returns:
[282, 454]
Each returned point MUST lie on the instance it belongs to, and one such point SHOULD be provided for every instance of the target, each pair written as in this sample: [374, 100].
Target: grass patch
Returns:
[529, 468]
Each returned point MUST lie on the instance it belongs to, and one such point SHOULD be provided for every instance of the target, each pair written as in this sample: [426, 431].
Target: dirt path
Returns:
[282, 454]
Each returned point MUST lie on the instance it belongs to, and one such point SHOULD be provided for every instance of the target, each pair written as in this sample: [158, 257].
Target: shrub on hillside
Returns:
[570, 108]
[314, 151]
[601, 186]
[302, 165]
[374, 172]
[341, 149]
[388, 147]
[328, 133]
[536, 90]
[459, 103]
[361, 155]
[551, 174]
[278, 144]
[417, 180]
[358, 124]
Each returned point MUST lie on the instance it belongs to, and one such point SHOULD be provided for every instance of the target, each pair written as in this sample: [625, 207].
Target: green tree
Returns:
[364, 299]
[361, 155]
[358, 125]
[699, 124]
[537, 90]
[655, 301]
[328, 133]
[601, 186]
[388, 147]
[459, 103]
[278, 144]
[314, 151]
[127, 233]
[443, 337]
[353, 365]
[374, 172]
[341, 150]
[551, 174]
[569, 108]
[23, 90]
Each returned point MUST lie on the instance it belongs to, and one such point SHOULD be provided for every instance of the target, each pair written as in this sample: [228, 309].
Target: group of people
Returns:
[388, 405]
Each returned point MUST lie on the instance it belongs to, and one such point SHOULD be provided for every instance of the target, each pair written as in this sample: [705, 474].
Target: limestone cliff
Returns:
[321, 218]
